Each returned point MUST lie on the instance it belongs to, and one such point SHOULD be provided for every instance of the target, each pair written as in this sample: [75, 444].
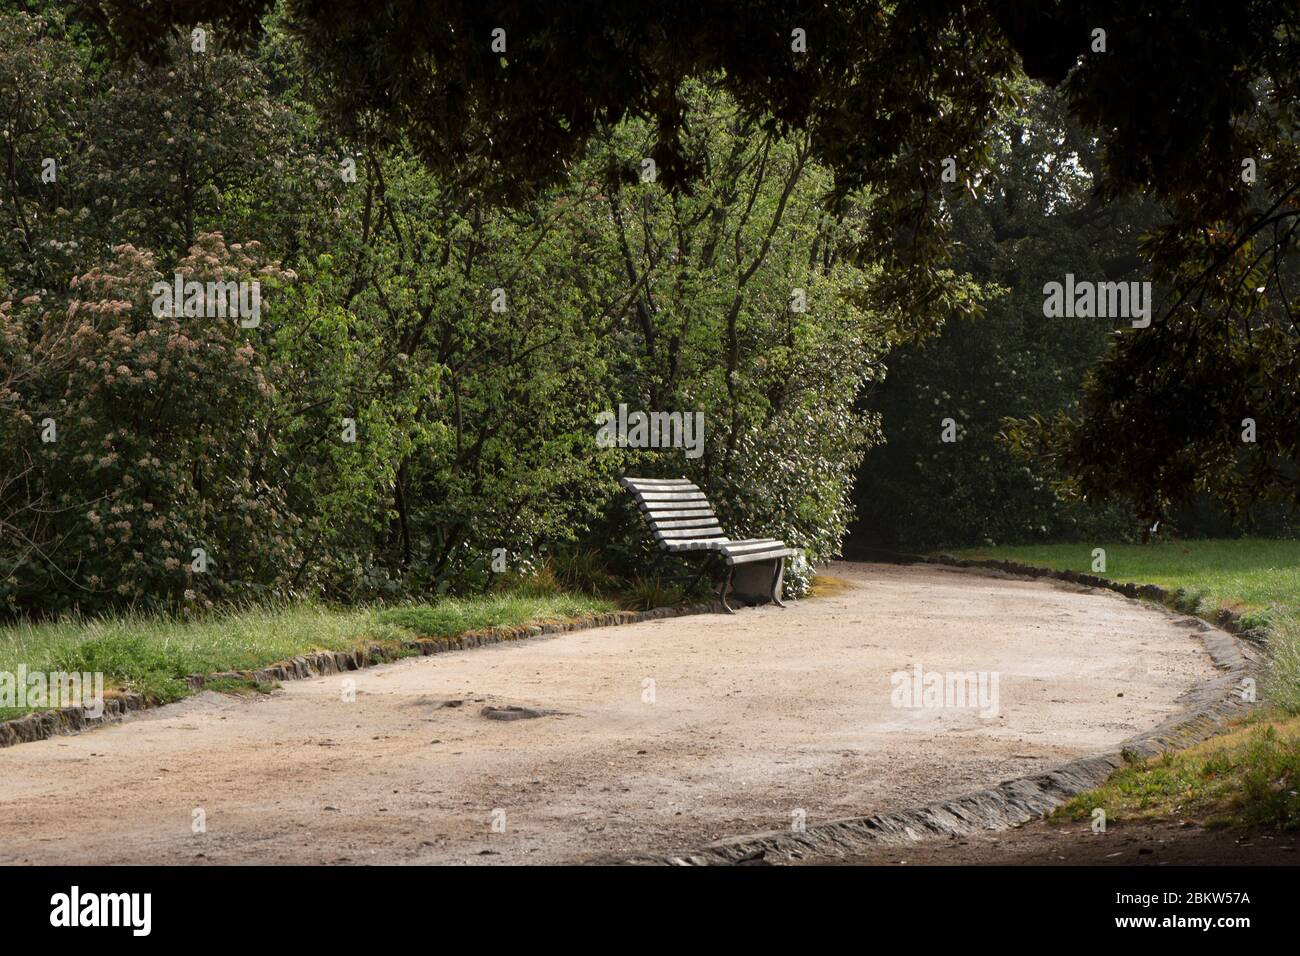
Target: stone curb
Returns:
[71, 720]
[1210, 707]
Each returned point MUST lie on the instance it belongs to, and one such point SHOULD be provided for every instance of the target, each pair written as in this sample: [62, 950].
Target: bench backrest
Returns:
[676, 510]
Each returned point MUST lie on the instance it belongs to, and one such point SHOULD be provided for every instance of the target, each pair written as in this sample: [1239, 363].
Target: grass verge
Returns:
[1247, 777]
[152, 655]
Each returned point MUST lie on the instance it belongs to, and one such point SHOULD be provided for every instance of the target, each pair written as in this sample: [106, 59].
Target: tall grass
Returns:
[457, 615]
[1282, 683]
[1247, 777]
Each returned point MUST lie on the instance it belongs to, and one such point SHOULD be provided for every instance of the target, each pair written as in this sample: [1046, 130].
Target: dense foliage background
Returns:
[1193, 105]
[462, 267]
[1037, 215]
[474, 409]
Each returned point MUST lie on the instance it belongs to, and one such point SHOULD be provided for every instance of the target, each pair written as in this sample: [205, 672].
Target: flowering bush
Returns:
[143, 438]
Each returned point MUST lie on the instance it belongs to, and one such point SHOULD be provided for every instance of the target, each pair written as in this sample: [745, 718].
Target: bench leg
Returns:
[778, 579]
[726, 586]
[757, 582]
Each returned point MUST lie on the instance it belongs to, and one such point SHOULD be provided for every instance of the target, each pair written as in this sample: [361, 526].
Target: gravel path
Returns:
[651, 736]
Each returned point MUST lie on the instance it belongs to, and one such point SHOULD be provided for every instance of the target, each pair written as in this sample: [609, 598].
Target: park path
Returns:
[660, 735]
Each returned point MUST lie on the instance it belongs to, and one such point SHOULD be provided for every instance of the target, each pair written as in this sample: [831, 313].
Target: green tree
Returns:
[742, 303]
[1179, 94]
[42, 133]
[1035, 217]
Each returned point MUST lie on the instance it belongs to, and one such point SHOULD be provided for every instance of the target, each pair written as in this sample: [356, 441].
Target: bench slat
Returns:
[655, 507]
[648, 496]
[693, 514]
[704, 521]
[647, 483]
[703, 544]
[752, 544]
[677, 534]
[756, 549]
[760, 556]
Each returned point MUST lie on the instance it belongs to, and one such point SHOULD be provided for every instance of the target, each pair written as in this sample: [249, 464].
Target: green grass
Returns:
[1249, 777]
[152, 655]
[457, 615]
[1249, 575]
[642, 594]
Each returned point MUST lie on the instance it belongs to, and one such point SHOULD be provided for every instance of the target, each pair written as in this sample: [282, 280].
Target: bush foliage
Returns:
[467, 347]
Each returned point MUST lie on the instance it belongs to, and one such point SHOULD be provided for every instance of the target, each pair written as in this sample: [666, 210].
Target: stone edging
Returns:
[71, 720]
[1210, 706]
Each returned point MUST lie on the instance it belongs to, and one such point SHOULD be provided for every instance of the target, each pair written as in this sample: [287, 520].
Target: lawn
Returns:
[153, 654]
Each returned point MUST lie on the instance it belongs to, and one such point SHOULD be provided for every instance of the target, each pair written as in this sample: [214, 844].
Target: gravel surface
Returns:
[638, 738]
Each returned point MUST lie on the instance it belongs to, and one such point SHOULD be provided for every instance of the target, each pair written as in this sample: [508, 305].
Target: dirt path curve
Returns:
[754, 717]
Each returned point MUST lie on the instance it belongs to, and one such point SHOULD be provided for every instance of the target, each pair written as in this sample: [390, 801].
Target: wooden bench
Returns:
[682, 520]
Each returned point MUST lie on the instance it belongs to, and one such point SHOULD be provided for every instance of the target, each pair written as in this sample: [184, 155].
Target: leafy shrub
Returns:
[474, 426]
[161, 447]
[799, 575]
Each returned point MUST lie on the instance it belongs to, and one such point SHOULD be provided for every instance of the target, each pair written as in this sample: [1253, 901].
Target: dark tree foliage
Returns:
[1183, 92]
[1036, 217]
[884, 91]
[1187, 96]
[419, 395]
